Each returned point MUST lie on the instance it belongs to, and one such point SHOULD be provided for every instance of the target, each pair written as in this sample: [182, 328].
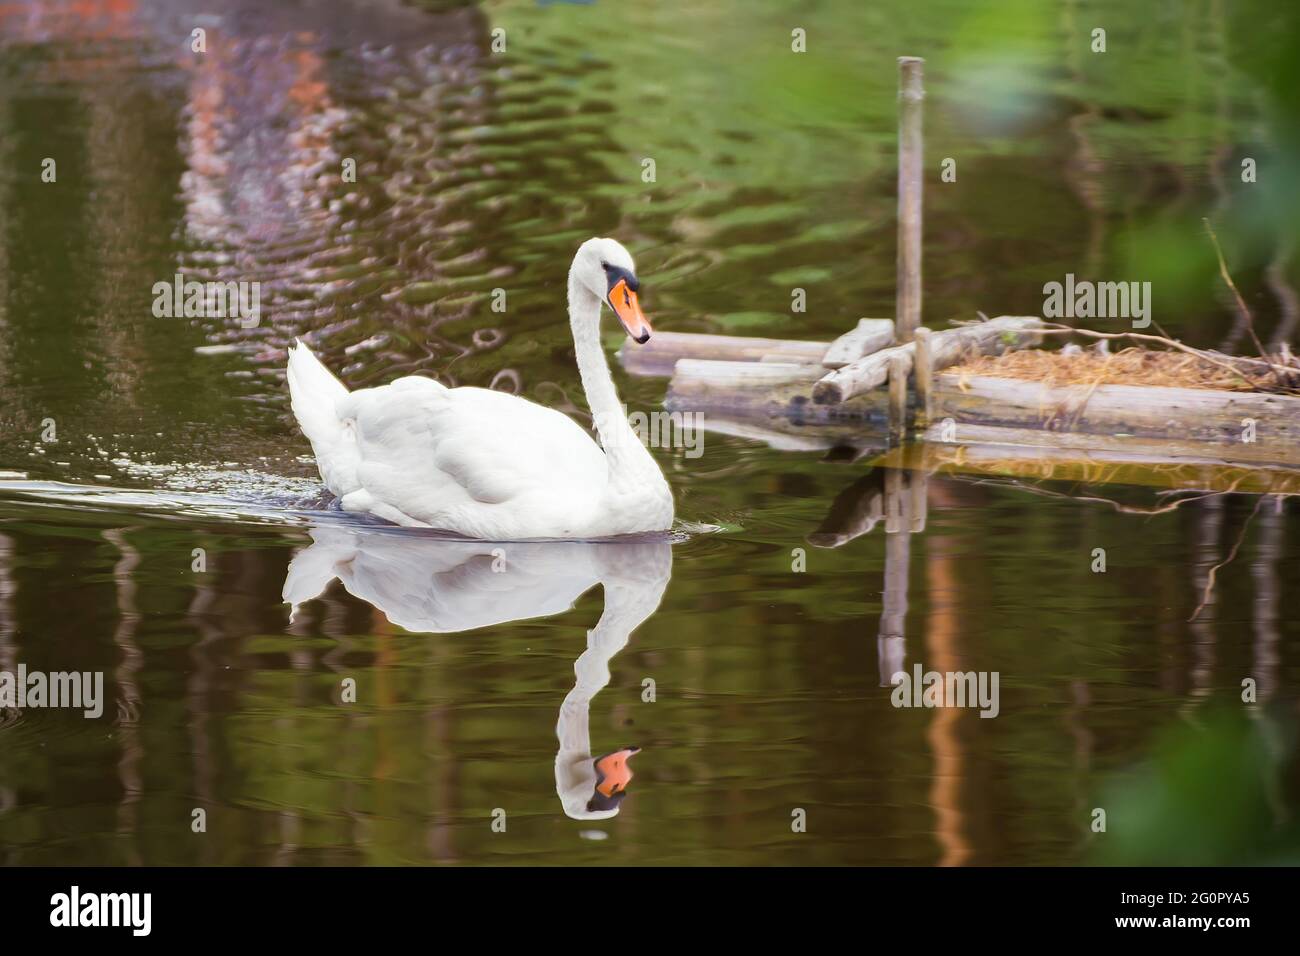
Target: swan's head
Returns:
[605, 268]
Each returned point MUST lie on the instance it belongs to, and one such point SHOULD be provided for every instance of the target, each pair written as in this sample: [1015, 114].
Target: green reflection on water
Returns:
[478, 172]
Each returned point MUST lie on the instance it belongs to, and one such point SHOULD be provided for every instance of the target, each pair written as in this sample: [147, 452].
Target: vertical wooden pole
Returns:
[911, 92]
[897, 398]
[923, 362]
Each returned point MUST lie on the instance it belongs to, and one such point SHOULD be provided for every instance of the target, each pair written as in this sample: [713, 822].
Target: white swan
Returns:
[487, 464]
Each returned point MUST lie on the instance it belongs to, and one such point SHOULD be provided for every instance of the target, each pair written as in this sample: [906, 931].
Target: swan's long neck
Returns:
[629, 462]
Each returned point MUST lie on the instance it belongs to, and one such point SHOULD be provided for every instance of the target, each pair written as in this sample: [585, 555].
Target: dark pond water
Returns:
[749, 663]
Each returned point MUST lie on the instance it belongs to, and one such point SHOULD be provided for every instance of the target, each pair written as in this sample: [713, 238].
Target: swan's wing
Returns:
[427, 451]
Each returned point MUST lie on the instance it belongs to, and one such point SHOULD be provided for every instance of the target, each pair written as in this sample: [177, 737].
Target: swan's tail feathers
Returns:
[316, 396]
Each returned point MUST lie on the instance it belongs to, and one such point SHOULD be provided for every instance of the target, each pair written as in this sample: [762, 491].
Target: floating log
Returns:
[871, 335]
[762, 388]
[661, 353]
[1245, 426]
[946, 348]
[716, 384]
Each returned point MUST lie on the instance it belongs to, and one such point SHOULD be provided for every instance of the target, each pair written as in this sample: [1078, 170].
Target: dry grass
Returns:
[1132, 366]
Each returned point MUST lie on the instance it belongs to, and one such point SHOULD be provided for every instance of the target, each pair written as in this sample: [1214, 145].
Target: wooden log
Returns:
[898, 370]
[871, 335]
[661, 353]
[761, 388]
[911, 93]
[946, 348]
[1244, 426]
[709, 377]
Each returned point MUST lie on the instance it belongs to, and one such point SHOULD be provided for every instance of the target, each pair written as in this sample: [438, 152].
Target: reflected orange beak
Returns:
[623, 301]
[612, 771]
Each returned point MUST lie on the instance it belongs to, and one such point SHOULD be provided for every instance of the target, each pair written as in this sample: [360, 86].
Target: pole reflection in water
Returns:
[896, 496]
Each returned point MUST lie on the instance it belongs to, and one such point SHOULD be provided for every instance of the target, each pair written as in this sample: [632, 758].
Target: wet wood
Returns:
[764, 388]
[871, 335]
[1241, 426]
[661, 353]
[898, 370]
[946, 348]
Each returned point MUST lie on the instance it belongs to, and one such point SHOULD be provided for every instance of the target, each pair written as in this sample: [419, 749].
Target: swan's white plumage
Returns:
[480, 462]
[315, 395]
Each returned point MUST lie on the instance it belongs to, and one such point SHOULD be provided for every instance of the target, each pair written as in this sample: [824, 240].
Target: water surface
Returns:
[766, 652]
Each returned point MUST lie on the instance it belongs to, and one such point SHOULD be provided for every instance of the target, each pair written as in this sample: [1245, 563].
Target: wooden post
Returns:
[923, 362]
[899, 366]
[907, 313]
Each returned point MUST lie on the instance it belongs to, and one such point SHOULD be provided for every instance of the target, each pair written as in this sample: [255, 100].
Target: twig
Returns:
[1056, 328]
[1241, 303]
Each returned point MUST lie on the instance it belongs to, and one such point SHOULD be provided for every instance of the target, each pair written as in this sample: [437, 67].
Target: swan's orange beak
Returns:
[622, 299]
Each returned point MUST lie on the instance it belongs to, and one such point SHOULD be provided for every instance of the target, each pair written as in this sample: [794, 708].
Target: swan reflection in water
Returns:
[439, 585]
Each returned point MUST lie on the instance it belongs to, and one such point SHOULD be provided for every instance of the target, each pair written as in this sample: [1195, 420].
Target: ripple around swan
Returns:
[245, 497]
[242, 496]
